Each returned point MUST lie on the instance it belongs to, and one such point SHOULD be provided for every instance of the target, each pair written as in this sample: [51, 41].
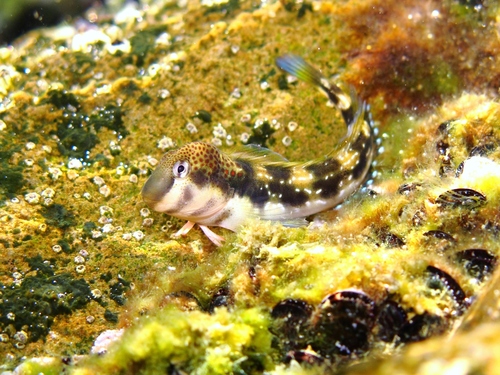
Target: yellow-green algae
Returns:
[374, 244]
[211, 344]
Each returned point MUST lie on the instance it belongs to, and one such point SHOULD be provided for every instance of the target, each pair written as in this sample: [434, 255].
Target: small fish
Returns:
[205, 186]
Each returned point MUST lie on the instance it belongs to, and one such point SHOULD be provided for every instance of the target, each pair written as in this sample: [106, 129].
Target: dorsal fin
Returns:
[259, 154]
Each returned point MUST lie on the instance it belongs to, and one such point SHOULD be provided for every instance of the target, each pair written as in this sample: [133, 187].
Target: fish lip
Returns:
[149, 201]
[156, 188]
[146, 196]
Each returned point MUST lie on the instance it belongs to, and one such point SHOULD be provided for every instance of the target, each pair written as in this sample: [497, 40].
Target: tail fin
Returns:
[355, 112]
[346, 102]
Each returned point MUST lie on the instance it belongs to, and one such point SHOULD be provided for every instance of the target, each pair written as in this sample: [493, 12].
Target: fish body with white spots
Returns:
[205, 186]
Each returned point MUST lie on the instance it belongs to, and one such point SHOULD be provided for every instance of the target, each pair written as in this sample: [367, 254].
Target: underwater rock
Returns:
[87, 111]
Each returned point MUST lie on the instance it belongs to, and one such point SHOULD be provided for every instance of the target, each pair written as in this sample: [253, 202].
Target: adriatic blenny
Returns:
[201, 184]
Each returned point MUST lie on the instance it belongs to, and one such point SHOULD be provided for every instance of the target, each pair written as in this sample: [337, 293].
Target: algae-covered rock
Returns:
[87, 109]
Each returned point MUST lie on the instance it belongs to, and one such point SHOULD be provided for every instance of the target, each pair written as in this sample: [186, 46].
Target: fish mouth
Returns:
[155, 189]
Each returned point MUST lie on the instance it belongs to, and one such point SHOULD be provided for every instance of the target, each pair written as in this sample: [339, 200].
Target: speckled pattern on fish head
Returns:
[190, 183]
[208, 159]
[203, 158]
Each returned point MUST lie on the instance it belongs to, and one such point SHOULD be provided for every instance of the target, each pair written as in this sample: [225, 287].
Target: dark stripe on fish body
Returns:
[285, 191]
[330, 188]
[225, 215]
[247, 185]
[259, 194]
[220, 181]
[202, 211]
[187, 195]
[199, 178]
[348, 115]
[278, 172]
[323, 169]
[363, 150]
[288, 195]
[360, 168]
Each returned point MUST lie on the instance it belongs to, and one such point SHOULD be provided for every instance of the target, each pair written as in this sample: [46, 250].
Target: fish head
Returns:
[183, 186]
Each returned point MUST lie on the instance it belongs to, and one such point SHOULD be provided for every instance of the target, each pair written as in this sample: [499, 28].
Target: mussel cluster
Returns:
[348, 323]
[345, 324]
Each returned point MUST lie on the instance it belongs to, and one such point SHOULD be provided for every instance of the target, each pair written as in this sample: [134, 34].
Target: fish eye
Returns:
[181, 169]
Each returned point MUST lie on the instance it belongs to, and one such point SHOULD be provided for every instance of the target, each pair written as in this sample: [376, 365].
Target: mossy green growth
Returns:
[62, 99]
[77, 129]
[226, 7]
[190, 342]
[203, 115]
[40, 298]
[261, 134]
[143, 43]
[37, 366]
[76, 140]
[11, 176]
[433, 78]
[109, 117]
[58, 216]
[11, 181]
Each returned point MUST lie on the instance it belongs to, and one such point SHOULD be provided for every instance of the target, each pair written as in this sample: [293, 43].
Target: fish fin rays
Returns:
[296, 66]
[257, 154]
[355, 111]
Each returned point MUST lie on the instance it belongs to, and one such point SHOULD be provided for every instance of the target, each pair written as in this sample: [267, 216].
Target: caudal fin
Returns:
[354, 111]
[296, 66]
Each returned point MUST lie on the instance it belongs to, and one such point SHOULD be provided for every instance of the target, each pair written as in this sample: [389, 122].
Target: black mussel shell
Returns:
[391, 319]
[343, 323]
[449, 283]
[479, 263]
[440, 235]
[461, 197]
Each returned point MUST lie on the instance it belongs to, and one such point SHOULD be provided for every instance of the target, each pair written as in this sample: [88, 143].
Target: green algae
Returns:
[117, 290]
[262, 134]
[110, 117]
[12, 181]
[171, 340]
[46, 366]
[58, 216]
[111, 316]
[11, 176]
[39, 299]
[203, 115]
[143, 43]
[65, 244]
[77, 130]
[225, 7]
[62, 99]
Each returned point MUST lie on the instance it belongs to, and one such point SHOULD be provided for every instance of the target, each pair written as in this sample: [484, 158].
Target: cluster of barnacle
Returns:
[261, 131]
